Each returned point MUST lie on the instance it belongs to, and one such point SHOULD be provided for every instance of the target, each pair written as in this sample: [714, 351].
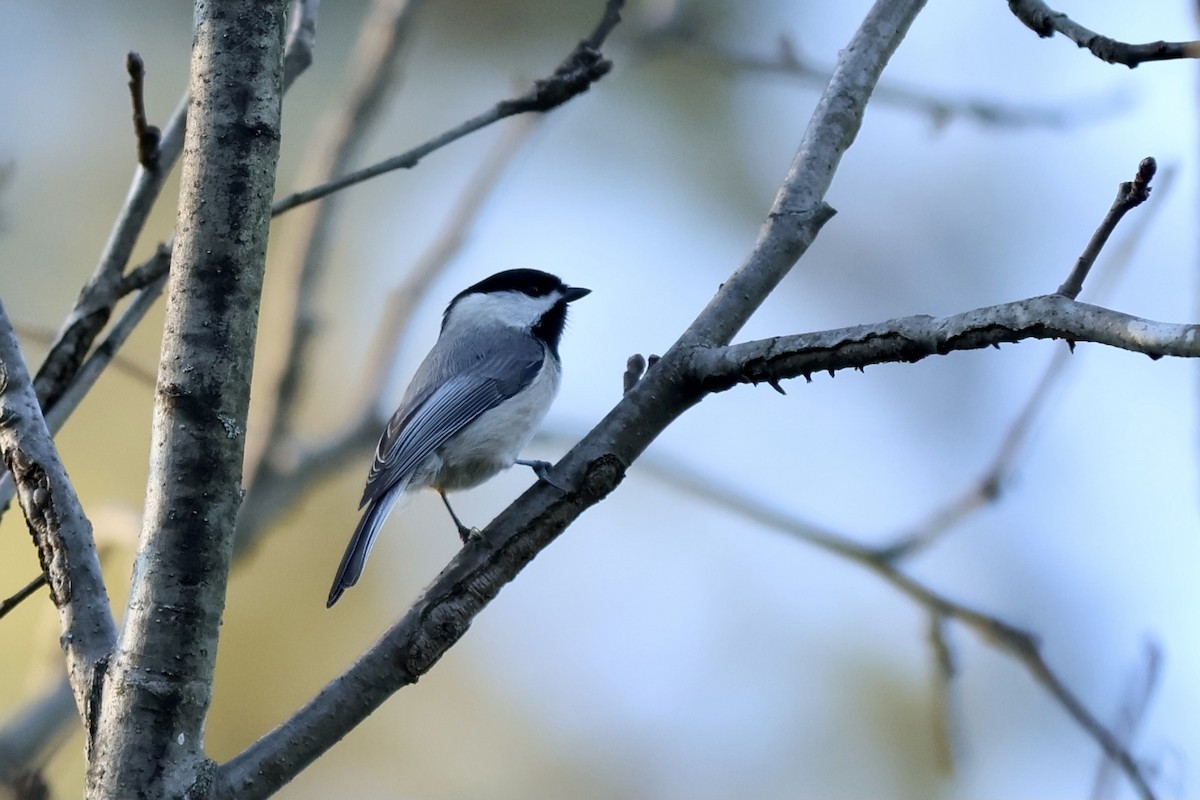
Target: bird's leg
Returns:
[542, 470]
[464, 532]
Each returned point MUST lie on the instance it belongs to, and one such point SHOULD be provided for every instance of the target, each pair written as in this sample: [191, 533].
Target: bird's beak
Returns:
[573, 293]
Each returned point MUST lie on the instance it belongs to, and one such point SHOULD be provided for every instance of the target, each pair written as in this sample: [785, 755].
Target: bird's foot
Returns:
[542, 470]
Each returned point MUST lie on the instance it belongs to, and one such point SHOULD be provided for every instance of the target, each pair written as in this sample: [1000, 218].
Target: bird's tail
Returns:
[350, 570]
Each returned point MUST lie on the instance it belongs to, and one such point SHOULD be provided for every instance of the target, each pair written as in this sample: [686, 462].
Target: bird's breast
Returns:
[494, 441]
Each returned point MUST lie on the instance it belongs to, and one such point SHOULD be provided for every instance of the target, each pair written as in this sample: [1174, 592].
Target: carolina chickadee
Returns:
[472, 405]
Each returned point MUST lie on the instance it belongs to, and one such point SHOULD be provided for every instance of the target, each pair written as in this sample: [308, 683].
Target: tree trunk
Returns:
[147, 740]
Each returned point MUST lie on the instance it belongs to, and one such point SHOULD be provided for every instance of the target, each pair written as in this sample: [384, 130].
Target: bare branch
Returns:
[911, 339]
[1130, 195]
[574, 76]
[104, 289]
[106, 286]
[1045, 22]
[990, 484]
[60, 529]
[103, 354]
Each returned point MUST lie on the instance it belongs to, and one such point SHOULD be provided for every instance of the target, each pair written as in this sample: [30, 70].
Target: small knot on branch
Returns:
[575, 75]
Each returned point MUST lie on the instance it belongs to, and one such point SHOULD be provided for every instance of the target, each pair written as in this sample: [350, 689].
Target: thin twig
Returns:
[1045, 22]
[147, 135]
[991, 482]
[578, 71]
[103, 289]
[1130, 194]
[15, 600]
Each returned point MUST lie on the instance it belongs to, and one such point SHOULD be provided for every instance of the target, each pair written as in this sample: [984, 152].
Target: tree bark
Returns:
[148, 739]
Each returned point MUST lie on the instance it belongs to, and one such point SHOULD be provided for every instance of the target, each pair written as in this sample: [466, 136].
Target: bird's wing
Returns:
[469, 380]
[425, 422]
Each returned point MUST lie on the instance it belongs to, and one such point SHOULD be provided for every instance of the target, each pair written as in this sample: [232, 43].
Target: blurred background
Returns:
[666, 647]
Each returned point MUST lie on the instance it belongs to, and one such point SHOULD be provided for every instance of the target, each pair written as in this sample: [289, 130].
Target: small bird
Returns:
[472, 405]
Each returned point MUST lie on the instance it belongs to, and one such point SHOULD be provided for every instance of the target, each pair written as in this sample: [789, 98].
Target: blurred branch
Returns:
[1135, 702]
[1045, 22]
[945, 709]
[684, 35]
[1017, 643]
[31, 734]
[597, 465]
[347, 125]
[60, 530]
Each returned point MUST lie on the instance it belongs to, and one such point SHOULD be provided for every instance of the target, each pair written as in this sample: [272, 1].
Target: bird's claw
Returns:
[542, 470]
